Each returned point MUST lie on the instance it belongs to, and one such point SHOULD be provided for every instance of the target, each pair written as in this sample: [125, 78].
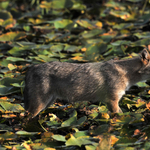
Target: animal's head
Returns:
[145, 58]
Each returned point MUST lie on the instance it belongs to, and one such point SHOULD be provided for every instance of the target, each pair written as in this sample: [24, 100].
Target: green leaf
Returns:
[92, 33]
[121, 14]
[25, 133]
[57, 48]
[15, 59]
[100, 129]
[19, 51]
[71, 48]
[69, 122]
[8, 136]
[93, 115]
[64, 23]
[90, 147]
[86, 24]
[78, 6]
[12, 107]
[8, 81]
[142, 35]
[17, 85]
[80, 133]
[6, 87]
[7, 90]
[81, 120]
[124, 119]
[114, 4]
[11, 67]
[12, 36]
[93, 51]
[57, 4]
[59, 138]
[141, 84]
[82, 140]
[128, 101]
[46, 58]
[73, 141]
[142, 42]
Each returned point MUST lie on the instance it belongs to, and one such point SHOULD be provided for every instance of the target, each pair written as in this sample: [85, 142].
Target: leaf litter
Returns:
[34, 32]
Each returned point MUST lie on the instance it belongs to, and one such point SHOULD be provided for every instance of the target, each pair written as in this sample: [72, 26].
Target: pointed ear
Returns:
[145, 57]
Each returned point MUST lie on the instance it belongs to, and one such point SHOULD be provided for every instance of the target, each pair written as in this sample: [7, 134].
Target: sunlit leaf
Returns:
[93, 51]
[19, 51]
[105, 143]
[90, 147]
[123, 26]
[46, 58]
[86, 24]
[121, 14]
[11, 107]
[25, 133]
[78, 141]
[59, 138]
[12, 36]
[115, 5]
[56, 4]
[11, 67]
[64, 23]
[8, 136]
[124, 120]
[92, 33]
[6, 19]
[17, 85]
[81, 133]
[4, 4]
[57, 48]
[71, 48]
[77, 5]
[69, 122]
[141, 84]
[93, 115]
[15, 59]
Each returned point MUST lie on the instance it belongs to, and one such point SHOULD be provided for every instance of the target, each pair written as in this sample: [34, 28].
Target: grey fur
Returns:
[105, 82]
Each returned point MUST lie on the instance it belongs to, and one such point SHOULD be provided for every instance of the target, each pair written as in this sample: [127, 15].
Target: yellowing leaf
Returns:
[28, 147]
[85, 24]
[137, 132]
[148, 105]
[12, 36]
[64, 23]
[99, 24]
[46, 137]
[83, 49]
[77, 58]
[140, 103]
[113, 139]
[11, 67]
[105, 116]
